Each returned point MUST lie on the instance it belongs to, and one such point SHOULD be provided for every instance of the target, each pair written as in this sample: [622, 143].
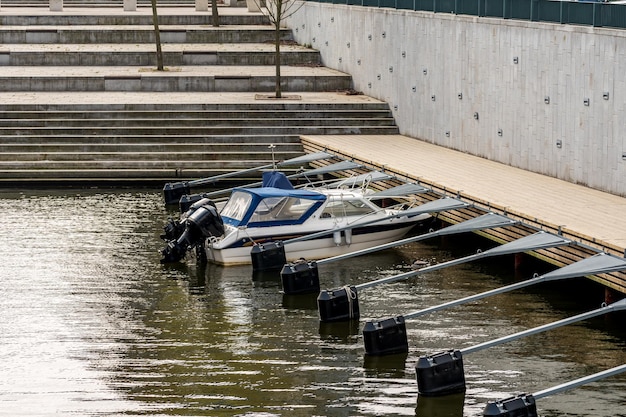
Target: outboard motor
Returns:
[202, 223]
[175, 228]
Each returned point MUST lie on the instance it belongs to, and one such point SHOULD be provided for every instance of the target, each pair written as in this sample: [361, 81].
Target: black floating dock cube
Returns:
[520, 406]
[385, 337]
[269, 255]
[173, 191]
[440, 374]
[300, 277]
[338, 305]
[186, 201]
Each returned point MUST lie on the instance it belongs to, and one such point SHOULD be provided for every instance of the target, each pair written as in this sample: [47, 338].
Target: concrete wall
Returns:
[543, 97]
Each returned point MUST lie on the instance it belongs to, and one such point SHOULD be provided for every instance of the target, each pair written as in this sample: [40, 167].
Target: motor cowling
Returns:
[201, 223]
[175, 228]
[207, 221]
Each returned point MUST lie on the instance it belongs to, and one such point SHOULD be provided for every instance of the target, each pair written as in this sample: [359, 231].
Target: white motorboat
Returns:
[254, 216]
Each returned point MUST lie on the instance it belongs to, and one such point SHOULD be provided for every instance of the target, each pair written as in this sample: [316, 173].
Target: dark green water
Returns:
[92, 325]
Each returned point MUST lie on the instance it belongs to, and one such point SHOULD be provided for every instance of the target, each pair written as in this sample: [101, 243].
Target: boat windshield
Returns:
[342, 208]
[281, 209]
[237, 206]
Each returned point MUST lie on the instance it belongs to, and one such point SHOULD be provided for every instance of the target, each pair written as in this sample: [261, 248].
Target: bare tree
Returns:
[277, 11]
[157, 36]
[214, 15]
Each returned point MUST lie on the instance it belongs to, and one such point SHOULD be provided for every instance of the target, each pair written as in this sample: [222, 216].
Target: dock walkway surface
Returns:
[549, 202]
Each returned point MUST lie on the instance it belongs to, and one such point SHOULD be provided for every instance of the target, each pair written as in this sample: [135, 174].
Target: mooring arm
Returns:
[410, 274]
[620, 305]
[486, 221]
[581, 381]
[476, 297]
[377, 248]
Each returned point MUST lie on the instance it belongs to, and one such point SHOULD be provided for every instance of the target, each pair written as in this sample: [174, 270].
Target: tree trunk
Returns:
[157, 36]
[277, 43]
[214, 15]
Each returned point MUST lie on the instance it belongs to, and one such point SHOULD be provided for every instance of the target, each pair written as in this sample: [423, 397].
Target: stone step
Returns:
[75, 103]
[149, 140]
[175, 79]
[172, 131]
[108, 175]
[47, 160]
[135, 34]
[178, 16]
[91, 146]
[143, 54]
[165, 116]
[86, 167]
[17, 125]
[38, 147]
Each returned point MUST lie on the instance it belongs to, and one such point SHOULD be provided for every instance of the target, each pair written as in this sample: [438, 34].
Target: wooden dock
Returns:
[593, 220]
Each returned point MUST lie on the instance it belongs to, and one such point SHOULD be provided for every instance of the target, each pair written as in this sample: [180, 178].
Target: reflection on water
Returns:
[92, 324]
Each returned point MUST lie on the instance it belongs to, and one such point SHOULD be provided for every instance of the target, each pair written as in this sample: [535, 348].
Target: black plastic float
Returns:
[539, 240]
[267, 256]
[518, 406]
[188, 200]
[487, 221]
[443, 372]
[524, 405]
[173, 191]
[455, 380]
[430, 207]
[300, 277]
[341, 304]
[386, 337]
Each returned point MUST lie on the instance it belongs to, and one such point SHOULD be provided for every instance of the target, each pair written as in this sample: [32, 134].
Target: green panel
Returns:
[405, 4]
[613, 15]
[519, 9]
[426, 5]
[494, 8]
[579, 13]
[469, 7]
[445, 6]
[566, 12]
[549, 11]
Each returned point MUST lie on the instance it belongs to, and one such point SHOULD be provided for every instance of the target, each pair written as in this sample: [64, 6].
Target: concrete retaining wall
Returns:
[544, 97]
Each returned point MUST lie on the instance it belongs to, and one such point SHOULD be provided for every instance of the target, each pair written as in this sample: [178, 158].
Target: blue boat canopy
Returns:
[276, 179]
[269, 206]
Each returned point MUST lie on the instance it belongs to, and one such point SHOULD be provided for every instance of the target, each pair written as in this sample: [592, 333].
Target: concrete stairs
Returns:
[81, 100]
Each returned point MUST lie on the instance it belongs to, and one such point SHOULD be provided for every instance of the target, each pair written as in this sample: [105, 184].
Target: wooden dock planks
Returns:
[589, 217]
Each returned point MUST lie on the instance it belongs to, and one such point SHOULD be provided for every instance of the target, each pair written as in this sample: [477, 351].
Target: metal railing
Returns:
[590, 13]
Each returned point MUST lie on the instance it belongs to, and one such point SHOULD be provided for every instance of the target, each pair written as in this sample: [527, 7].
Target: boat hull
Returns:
[331, 245]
